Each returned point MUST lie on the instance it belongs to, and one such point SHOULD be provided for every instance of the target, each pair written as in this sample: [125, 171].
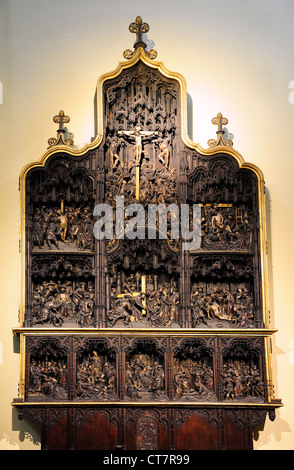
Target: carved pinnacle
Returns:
[220, 121]
[139, 28]
[60, 119]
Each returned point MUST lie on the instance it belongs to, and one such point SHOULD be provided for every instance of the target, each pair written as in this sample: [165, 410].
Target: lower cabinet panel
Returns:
[145, 428]
[96, 430]
[196, 430]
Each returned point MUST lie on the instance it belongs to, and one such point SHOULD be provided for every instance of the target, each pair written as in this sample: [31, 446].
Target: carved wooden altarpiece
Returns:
[133, 340]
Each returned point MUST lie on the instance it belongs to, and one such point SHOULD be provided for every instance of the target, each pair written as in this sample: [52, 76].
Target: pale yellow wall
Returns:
[237, 58]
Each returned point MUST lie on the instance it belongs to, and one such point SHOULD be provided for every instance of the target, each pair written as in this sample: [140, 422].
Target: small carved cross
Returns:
[220, 121]
[61, 119]
[139, 28]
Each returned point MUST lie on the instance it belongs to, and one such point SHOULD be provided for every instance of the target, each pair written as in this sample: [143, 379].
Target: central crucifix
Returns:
[138, 135]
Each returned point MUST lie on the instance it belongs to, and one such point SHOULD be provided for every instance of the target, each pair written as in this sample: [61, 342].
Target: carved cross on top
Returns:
[220, 121]
[61, 119]
[139, 28]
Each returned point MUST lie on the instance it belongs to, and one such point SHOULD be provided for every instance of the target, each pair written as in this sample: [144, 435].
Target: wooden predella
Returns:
[144, 317]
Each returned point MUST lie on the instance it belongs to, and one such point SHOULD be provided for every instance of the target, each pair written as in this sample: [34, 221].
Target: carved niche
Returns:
[47, 369]
[96, 370]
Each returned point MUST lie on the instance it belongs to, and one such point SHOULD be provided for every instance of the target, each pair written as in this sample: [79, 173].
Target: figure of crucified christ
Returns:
[137, 134]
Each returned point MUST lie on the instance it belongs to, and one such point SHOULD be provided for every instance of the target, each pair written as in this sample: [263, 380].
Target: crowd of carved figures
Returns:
[221, 227]
[226, 228]
[157, 305]
[241, 380]
[220, 303]
[143, 111]
[144, 375]
[193, 379]
[53, 228]
[145, 378]
[157, 185]
[56, 303]
[96, 377]
[48, 378]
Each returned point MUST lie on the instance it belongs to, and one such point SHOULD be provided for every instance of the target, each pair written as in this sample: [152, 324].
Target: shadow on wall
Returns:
[190, 116]
[270, 256]
[28, 431]
[268, 436]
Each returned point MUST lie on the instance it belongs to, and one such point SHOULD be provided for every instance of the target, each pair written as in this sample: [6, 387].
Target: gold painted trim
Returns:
[149, 404]
[268, 364]
[179, 332]
[21, 392]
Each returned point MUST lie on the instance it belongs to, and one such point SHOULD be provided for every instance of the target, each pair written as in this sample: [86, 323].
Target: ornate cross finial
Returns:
[220, 121]
[139, 28]
[61, 119]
